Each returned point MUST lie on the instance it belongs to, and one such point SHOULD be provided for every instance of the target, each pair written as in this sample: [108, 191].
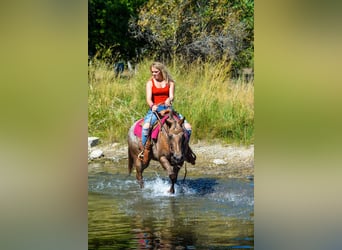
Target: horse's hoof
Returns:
[141, 184]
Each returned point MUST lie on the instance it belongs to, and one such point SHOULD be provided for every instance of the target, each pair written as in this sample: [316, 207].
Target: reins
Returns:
[164, 130]
[160, 123]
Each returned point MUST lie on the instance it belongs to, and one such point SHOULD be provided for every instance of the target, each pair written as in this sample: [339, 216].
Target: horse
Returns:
[168, 149]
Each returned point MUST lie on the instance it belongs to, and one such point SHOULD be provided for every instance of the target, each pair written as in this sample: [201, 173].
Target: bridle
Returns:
[166, 132]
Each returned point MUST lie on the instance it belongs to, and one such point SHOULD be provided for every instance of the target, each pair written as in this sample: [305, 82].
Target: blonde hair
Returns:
[165, 73]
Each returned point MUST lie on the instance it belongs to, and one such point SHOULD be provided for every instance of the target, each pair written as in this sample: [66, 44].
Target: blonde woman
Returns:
[160, 91]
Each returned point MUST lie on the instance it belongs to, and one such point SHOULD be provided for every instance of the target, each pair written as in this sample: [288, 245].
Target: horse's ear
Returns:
[181, 121]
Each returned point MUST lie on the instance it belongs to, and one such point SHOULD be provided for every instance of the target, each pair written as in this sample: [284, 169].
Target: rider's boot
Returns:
[190, 156]
[144, 139]
[144, 155]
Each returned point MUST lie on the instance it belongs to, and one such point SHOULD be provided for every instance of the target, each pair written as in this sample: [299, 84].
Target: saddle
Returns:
[156, 126]
[155, 129]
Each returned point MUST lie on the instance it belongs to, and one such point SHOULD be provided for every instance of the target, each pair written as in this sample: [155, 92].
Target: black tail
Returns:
[130, 162]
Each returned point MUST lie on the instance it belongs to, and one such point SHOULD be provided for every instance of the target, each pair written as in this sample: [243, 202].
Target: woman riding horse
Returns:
[159, 96]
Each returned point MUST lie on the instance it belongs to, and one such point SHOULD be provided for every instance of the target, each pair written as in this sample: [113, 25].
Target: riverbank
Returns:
[226, 161]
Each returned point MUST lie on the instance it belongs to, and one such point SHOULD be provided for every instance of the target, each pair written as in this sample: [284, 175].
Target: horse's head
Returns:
[176, 139]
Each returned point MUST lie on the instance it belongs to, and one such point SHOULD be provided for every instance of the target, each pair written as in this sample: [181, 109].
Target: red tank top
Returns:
[159, 95]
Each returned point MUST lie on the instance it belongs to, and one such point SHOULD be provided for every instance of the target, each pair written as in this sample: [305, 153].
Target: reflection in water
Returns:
[204, 213]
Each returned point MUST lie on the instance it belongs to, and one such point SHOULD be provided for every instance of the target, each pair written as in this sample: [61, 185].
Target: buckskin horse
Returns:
[168, 148]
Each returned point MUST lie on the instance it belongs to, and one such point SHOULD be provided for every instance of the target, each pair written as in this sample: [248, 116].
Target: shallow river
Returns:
[206, 212]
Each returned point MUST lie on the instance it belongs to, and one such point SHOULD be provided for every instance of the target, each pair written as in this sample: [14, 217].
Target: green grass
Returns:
[216, 107]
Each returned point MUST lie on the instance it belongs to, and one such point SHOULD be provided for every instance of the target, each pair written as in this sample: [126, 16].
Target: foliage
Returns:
[166, 29]
[108, 27]
[210, 30]
[245, 11]
[215, 106]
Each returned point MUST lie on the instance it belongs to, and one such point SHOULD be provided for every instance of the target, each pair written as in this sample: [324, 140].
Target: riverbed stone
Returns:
[93, 141]
[97, 153]
[219, 162]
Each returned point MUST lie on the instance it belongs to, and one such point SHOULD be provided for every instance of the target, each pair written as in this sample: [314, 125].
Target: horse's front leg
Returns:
[172, 171]
[173, 178]
[140, 179]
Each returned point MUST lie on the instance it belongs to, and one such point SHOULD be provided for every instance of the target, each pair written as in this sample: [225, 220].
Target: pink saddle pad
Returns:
[156, 129]
[138, 129]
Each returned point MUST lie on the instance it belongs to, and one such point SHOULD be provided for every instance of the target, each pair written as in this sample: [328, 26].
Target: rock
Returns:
[219, 162]
[96, 154]
[93, 141]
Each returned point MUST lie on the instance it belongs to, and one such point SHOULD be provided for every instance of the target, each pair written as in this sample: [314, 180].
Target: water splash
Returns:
[159, 187]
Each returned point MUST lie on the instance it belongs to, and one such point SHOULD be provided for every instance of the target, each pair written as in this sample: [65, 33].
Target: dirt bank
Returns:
[227, 161]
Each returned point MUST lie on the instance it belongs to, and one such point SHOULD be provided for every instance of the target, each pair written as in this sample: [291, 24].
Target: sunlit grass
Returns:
[217, 107]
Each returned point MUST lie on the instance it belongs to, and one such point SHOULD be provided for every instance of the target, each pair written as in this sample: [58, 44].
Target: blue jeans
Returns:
[154, 117]
[151, 118]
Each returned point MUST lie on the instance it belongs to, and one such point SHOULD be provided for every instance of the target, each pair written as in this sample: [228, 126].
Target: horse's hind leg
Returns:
[138, 173]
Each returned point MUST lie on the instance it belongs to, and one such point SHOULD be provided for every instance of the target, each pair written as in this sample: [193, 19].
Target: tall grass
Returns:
[216, 107]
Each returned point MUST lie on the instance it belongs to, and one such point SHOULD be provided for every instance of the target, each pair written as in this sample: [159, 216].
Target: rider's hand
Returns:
[168, 102]
[154, 108]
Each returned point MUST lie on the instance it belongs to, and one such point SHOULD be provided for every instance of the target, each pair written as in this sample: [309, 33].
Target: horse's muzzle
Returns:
[177, 158]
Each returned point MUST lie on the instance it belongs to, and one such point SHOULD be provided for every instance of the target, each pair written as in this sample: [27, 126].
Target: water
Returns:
[204, 213]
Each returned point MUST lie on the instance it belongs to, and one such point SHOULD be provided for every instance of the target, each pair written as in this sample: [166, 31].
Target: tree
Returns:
[191, 29]
[204, 29]
[108, 26]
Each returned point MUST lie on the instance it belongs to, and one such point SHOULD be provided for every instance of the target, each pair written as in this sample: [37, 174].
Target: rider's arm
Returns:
[171, 93]
[149, 94]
